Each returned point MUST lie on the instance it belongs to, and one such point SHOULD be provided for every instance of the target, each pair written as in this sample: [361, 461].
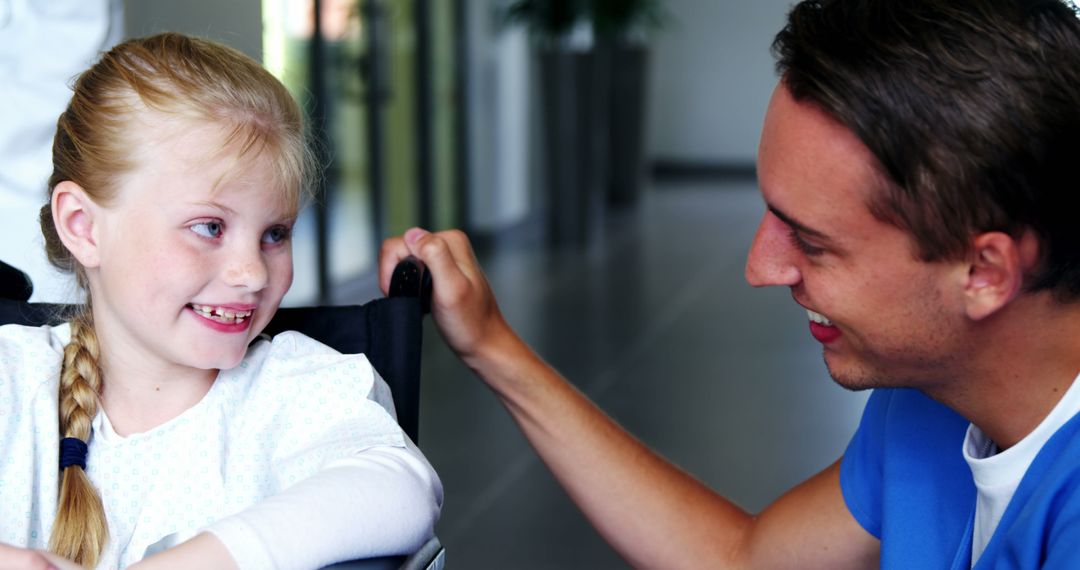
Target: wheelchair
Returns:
[389, 331]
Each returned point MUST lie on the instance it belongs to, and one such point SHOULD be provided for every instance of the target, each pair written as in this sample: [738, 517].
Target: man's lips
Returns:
[824, 334]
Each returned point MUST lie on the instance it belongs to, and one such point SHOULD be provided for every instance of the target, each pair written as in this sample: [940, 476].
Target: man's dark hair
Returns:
[971, 107]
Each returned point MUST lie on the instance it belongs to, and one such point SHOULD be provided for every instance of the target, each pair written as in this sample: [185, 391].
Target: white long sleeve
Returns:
[385, 501]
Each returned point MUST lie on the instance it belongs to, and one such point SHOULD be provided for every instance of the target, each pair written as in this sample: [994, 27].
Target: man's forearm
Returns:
[651, 512]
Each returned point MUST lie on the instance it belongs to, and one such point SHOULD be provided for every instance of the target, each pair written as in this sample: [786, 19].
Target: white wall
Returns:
[499, 106]
[710, 79]
[711, 74]
[234, 22]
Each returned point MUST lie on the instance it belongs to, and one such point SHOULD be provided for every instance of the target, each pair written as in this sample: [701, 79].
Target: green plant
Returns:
[547, 18]
[619, 19]
[616, 19]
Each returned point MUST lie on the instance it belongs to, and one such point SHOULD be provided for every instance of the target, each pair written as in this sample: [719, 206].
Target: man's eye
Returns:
[276, 234]
[210, 230]
[802, 246]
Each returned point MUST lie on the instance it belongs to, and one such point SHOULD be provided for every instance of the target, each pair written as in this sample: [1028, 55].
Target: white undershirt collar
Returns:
[997, 474]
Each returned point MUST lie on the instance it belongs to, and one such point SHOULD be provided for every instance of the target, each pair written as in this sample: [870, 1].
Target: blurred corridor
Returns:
[657, 325]
[432, 112]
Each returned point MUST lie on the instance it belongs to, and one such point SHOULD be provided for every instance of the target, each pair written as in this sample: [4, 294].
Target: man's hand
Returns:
[462, 303]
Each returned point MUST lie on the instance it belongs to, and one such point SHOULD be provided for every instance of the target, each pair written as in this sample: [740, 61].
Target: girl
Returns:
[181, 438]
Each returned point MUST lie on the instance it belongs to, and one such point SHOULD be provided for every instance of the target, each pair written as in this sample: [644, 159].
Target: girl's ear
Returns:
[996, 271]
[74, 214]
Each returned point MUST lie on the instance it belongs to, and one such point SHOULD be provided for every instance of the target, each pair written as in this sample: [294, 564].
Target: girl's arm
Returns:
[202, 551]
[382, 502]
[15, 558]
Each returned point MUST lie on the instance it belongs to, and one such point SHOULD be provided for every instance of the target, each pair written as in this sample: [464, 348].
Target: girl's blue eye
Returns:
[276, 234]
[210, 230]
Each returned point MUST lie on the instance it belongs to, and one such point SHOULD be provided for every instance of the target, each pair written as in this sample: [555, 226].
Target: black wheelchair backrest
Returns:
[389, 331]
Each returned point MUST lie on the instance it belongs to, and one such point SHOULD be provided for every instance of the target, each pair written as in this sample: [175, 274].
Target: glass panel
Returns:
[399, 113]
[352, 250]
[352, 245]
[288, 26]
[286, 37]
[444, 115]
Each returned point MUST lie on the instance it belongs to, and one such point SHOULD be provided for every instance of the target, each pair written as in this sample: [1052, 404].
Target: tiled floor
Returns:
[657, 325]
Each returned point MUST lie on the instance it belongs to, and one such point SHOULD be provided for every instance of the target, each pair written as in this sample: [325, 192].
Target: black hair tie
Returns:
[72, 452]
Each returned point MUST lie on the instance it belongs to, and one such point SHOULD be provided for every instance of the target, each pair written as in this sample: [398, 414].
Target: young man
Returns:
[915, 163]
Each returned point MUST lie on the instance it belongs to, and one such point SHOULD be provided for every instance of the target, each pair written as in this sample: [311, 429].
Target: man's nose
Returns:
[772, 258]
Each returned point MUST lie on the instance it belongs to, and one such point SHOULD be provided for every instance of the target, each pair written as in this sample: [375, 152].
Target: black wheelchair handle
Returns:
[410, 279]
[14, 284]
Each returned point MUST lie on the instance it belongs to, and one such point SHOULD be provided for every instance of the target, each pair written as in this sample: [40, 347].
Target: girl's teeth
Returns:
[220, 314]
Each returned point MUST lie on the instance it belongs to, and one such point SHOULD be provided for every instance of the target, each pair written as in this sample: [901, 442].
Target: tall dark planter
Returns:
[573, 90]
[627, 168]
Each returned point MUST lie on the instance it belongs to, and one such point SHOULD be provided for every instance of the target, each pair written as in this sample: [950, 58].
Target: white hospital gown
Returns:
[293, 409]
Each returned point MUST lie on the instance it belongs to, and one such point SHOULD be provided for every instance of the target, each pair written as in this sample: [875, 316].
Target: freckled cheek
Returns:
[281, 270]
[184, 257]
[288, 278]
[139, 255]
[172, 266]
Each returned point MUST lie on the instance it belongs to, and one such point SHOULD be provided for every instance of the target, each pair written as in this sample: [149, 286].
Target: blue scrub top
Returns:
[905, 480]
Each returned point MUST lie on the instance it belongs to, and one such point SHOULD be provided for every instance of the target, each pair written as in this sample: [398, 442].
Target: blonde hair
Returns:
[181, 77]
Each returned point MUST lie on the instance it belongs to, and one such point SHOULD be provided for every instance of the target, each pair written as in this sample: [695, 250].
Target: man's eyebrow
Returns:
[798, 226]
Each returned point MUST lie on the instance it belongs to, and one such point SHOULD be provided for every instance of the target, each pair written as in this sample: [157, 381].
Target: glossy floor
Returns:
[655, 323]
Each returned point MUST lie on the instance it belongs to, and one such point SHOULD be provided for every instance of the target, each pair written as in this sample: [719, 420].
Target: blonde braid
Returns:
[80, 531]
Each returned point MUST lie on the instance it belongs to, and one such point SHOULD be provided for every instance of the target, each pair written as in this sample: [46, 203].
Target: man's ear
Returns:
[74, 214]
[997, 265]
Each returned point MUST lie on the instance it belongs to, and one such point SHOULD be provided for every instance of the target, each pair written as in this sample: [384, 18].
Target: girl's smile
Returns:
[224, 318]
